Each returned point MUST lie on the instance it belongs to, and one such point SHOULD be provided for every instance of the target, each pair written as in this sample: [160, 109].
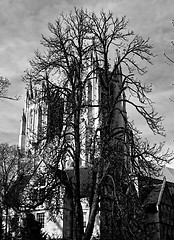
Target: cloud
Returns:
[22, 22]
[10, 121]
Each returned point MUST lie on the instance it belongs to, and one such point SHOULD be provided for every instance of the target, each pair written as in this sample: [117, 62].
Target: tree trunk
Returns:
[92, 216]
[78, 212]
[6, 224]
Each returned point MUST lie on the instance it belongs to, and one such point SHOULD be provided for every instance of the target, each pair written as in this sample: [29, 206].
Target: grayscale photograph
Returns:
[86, 120]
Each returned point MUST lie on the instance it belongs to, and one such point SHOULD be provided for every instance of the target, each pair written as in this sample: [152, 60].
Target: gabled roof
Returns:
[154, 198]
[169, 174]
[67, 177]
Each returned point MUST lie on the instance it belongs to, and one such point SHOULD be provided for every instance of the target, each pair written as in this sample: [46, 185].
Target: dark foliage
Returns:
[31, 229]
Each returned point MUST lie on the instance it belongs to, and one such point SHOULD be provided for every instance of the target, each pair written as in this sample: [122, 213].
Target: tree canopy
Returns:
[4, 85]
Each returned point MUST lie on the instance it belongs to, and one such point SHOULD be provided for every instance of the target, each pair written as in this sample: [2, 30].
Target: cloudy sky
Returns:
[22, 22]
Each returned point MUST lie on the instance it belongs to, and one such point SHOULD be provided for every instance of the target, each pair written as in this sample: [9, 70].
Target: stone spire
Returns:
[22, 134]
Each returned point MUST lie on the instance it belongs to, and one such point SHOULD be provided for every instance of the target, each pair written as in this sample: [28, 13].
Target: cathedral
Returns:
[44, 119]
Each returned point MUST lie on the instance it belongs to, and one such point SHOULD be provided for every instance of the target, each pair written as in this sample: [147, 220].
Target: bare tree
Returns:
[4, 85]
[14, 175]
[9, 160]
[84, 48]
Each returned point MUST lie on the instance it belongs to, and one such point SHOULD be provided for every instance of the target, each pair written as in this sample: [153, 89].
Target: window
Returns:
[41, 193]
[42, 182]
[34, 194]
[38, 191]
[41, 218]
[84, 219]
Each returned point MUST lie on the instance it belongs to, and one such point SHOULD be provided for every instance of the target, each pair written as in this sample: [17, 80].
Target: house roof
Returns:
[168, 173]
[155, 196]
[152, 198]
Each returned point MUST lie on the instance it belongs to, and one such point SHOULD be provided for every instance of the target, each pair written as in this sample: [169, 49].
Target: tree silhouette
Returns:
[84, 48]
[31, 229]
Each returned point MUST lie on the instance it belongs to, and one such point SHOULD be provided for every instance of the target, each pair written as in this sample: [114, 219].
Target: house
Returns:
[157, 195]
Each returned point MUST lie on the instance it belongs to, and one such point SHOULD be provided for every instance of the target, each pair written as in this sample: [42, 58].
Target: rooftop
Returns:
[168, 173]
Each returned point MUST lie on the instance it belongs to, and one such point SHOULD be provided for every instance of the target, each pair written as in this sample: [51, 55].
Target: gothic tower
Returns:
[33, 119]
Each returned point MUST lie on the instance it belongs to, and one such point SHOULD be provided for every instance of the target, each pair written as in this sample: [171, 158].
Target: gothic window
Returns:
[89, 101]
[34, 194]
[40, 122]
[84, 219]
[39, 191]
[41, 218]
[42, 182]
[72, 164]
[31, 120]
[89, 92]
[55, 115]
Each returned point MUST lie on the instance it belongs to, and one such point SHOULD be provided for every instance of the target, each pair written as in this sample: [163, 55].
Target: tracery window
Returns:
[41, 218]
